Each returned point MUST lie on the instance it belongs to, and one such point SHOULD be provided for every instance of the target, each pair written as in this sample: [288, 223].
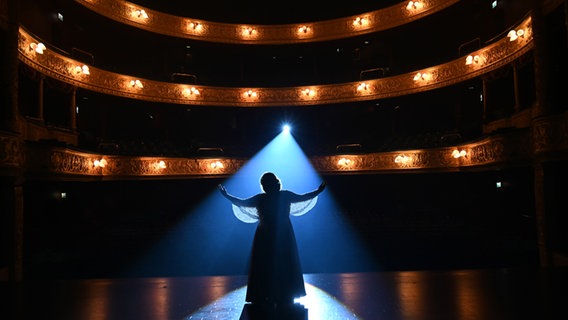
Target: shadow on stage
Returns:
[295, 311]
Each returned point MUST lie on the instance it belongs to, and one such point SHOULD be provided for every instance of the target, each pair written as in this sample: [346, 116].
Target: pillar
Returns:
[40, 99]
[516, 87]
[12, 227]
[542, 219]
[484, 93]
[543, 107]
[73, 110]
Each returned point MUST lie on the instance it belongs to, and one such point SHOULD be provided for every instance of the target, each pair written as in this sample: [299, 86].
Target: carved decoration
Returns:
[64, 69]
[187, 27]
[495, 150]
[12, 152]
[550, 134]
[68, 162]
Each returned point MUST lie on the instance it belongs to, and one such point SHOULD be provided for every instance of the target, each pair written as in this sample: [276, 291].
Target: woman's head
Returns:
[270, 182]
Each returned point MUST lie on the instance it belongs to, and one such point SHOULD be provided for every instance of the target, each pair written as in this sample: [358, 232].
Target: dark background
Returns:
[408, 222]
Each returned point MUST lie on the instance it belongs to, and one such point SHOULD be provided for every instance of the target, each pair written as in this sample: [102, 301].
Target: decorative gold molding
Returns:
[547, 137]
[12, 152]
[91, 78]
[490, 151]
[550, 134]
[187, 27]
[61, 161]
[496, 150]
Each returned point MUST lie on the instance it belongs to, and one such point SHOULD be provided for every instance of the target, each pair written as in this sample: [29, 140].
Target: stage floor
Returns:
[410, 295]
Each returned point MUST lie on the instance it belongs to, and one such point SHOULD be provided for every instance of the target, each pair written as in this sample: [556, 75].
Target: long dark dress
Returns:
[275, 274]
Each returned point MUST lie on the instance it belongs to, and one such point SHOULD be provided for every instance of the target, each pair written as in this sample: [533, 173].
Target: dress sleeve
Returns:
[302, 207]
[246, 214]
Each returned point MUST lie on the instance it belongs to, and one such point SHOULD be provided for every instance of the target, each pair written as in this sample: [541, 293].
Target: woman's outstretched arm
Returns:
[234, 200]
[309, 195]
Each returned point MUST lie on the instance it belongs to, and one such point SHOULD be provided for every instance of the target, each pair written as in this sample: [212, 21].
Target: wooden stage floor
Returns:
[410, 295]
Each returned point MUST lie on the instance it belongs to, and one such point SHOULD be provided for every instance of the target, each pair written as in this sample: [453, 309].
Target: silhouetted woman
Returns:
[275, 276]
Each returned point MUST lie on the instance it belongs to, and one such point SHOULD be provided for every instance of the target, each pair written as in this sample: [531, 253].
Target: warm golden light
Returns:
[217, 165]
[136, 84]
[303, 29]
[514, 35]
[105, 81]
[249, 32]
[422, 76]
[82, 70]
[140, 13]
[472, 59]
[250, 94]
[195, 26]
[38, 47]
[458, 154]
[308, 93]
[344, 162]
[162, 22]
[402, 159]
[361, 22]
[414, 5]
[100, 163]
[159, 165]
[363, 86]
[187, 92]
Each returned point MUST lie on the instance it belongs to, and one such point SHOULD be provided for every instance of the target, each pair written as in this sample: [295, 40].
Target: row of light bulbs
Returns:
[250, 93]
[344, 162]
[160, 165]
[253, 94]
[307, 93]
[401, 159]
[197, 27]
[516, 34]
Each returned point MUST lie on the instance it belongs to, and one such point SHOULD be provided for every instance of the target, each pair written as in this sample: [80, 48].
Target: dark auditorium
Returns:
[280, 160]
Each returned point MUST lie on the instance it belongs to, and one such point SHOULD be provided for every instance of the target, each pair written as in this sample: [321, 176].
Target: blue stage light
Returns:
[210, 240]
[286, 128]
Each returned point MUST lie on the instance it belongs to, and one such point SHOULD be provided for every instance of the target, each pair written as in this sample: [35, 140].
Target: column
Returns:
[73, 110]
[516, 87]
[40, 98]
[484, 93]
[12, 227]
[543, 107]
[542, 219]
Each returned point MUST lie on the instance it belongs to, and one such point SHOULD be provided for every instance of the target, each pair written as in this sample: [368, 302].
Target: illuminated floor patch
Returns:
[318, 304]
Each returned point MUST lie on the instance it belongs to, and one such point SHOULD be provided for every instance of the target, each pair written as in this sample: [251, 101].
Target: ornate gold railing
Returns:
[59, 162]
[186, 27]
[73, 72]
[547, 137]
